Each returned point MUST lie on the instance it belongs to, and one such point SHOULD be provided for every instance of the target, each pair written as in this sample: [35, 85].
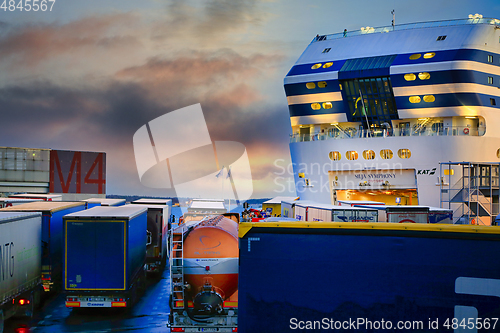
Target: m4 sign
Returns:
[77, 172]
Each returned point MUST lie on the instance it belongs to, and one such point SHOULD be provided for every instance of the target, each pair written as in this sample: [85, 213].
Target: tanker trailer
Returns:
[204, 275]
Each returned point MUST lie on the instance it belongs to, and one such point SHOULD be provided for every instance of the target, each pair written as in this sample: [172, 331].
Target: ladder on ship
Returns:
[177, 268]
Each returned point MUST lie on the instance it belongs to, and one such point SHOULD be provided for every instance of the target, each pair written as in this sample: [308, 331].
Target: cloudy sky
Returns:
[88, 74]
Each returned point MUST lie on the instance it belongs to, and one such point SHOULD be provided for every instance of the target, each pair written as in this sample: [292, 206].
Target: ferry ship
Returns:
[404, 114]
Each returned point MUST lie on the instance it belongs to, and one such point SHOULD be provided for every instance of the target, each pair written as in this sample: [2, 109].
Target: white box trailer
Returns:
[401, 214]
[20, 263]
[311, 211]
[352, 203]
[9, 202]
[44, 197]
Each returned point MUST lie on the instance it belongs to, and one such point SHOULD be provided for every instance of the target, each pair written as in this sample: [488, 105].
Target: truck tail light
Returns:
[235, 329]
[23, 301]
[176, 329]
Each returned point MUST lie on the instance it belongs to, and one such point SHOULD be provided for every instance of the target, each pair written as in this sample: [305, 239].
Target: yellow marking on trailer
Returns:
[245, 227]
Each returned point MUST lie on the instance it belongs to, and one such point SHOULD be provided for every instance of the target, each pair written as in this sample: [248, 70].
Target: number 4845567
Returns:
[27, 5]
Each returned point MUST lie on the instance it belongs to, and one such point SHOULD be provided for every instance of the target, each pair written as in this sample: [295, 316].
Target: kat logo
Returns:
[175, 151]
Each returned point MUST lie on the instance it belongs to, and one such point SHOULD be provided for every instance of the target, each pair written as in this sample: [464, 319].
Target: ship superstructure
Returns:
[374, 112]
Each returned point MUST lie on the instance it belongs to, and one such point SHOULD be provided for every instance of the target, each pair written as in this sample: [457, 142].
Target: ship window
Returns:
[369, 101]
[328, 64]
[424, 76]
[449, 172]
[310, 85]
[429, 98]
[410, 77]
[493, 101]
[352, 155]
[429, 55]
[414, 99]
[498, 153]
[327, 105]
[415, 56]
[404, 153]
[386, 154]
[316, 66]
[326, 50]
[368, 154]
[322, 84]
[441, 37]
[340, 85]
[490, 58]
[315, 106]
[490, 79]
[334, 155]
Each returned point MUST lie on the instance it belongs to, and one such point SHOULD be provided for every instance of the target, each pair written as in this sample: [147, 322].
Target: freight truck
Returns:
[104, 256]
[368, 277]
[20, 265]
[204, 275]
[158, 230]
[52, 236]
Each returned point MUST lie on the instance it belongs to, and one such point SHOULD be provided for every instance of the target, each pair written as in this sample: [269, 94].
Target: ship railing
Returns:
[351, 133]
[408, 26]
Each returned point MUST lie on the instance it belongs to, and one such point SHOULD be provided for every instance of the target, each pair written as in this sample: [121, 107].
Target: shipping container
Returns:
[104, 256]
[8, 202]
[44, 197]
[159, 225]
[93, 202]
[20, 263]
[52, 236]
[423, 277]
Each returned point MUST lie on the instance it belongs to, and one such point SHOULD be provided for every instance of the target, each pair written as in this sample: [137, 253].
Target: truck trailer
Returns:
[93, 202]
[158, 233]
[20, 264]
[368, 277]
[104, 256]
[52, 236]
[204, 275]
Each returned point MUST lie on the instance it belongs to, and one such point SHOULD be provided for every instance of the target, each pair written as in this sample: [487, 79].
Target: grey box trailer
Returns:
[20, 263]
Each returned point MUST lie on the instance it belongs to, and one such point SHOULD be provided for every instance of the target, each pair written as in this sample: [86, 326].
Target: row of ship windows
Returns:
[326, 106]
[412, 57]
[413, 100]
[427, 99]
[421, 76]
[415, 56]
[427, 55]
[385, 154]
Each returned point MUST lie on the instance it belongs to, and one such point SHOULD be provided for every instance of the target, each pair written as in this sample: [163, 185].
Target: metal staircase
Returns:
[474, 197]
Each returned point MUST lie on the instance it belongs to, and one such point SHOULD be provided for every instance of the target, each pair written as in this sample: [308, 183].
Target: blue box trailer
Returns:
[52, 237]
[368, 277]
[104, 256]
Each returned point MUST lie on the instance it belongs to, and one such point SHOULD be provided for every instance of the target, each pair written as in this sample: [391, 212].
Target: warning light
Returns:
[207, 268]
